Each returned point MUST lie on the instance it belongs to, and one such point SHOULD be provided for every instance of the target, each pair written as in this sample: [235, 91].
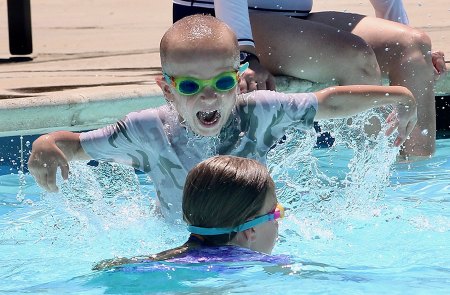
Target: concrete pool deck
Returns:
[95, 61]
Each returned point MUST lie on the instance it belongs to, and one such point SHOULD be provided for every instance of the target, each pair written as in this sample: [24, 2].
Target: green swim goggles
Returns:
[190, 86]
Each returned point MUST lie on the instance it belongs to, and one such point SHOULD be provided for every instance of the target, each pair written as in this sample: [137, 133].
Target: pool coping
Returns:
[89, 108]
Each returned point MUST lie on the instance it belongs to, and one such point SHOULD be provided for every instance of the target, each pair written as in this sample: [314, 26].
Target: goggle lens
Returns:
[226, 83]
[188, 87]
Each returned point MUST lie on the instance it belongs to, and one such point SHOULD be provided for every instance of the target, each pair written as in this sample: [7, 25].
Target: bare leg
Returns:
[313, 51]
[404, 54]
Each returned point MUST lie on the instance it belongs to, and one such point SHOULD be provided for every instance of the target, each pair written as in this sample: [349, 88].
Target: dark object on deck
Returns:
[19, 27]
[443, 116]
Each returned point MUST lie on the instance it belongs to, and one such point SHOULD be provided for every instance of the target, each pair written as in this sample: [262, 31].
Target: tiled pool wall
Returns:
[14, 153]
[443, 116]
[15, 150]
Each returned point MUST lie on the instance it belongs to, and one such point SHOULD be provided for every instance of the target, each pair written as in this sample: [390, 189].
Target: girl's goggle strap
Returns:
[276, 214]
[191, 86]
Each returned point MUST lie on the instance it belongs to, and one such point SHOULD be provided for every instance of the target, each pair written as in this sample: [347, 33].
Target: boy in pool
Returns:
[230, 206]
[206, 116]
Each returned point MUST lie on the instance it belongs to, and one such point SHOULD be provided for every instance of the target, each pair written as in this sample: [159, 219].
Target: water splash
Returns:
[207, 146]
[364, 163]
[20, 197]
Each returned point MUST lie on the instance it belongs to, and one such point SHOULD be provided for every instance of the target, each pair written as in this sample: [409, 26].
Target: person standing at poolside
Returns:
[284, 38]
[207, 116]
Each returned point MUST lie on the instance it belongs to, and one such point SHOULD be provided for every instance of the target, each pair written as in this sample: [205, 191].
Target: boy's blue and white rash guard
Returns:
[155, 142]
[235, 12]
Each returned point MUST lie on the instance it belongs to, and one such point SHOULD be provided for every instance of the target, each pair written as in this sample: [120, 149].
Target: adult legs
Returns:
[313, 51]
[404, 54]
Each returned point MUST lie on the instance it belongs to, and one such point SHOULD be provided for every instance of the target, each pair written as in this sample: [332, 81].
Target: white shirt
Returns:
[235, 12]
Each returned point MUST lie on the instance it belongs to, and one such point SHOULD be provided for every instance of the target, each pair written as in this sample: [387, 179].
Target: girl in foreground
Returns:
[231, 209]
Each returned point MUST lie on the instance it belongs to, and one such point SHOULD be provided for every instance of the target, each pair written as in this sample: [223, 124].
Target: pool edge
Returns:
[93, 108]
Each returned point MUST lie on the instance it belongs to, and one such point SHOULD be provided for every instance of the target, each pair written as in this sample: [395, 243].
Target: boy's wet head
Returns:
[200, 62]
[198, 37]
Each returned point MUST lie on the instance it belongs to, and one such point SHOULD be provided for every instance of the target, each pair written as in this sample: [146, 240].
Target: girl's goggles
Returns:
[191, 86]
[276, 214]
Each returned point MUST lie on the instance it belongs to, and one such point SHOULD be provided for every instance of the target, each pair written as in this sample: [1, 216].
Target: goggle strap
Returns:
[167, 78]
[222, 230]
[254, 222]
[243, 68]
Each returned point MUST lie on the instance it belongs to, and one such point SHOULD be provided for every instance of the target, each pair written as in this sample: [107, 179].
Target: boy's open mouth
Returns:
[209, 117]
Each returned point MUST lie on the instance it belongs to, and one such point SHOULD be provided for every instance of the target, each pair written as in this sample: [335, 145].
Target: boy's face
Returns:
[207, 111]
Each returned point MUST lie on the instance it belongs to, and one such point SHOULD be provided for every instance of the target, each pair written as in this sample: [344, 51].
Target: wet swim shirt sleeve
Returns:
[391, 10]
[133, 141]
[299, 109]
[235, 14]
[276, 111]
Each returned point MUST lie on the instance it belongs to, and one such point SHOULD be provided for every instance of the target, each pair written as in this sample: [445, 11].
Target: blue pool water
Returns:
[359, 224]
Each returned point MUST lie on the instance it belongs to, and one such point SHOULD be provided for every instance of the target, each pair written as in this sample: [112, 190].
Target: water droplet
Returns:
[386, 49]
[424, 132]
[387, 94]
[349, 24]
[45, 165]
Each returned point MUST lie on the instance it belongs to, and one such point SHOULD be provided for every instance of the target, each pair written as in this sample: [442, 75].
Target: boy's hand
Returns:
[44, 160]
[440, 68]
[256, 77]
[403, 118]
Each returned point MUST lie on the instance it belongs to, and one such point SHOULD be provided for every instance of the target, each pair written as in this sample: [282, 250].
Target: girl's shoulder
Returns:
[227, 253]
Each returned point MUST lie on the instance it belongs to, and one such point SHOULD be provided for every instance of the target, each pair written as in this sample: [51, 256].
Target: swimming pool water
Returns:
[347, 232]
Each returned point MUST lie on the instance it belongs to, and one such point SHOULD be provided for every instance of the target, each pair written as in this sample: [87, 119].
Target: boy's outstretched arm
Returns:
[51, 151]
[344, 101]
